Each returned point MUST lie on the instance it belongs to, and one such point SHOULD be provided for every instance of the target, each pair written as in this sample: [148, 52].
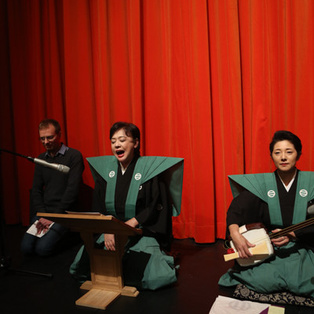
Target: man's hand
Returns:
[43, 225]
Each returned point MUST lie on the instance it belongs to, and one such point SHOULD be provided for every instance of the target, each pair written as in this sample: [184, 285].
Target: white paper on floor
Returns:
[225, 305]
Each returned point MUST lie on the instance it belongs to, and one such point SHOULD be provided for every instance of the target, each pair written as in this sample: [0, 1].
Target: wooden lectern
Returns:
[106, 266]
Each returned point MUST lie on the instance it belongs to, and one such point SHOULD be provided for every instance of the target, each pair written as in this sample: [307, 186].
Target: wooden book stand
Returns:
[106, 266]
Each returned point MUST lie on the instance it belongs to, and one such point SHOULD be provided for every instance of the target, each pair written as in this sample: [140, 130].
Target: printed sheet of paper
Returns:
[33, 230]
[225, 305]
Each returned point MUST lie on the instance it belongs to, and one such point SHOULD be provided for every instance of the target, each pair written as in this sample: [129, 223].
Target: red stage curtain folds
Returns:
[209, 81]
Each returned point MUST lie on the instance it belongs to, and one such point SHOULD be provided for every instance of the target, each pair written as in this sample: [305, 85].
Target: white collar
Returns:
[123, 170]
[287, 187]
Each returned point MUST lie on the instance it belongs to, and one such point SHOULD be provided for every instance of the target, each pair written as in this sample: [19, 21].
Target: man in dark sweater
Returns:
[53, 191]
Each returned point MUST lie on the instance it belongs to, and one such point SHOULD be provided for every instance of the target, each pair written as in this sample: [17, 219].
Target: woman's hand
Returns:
[43, 225]
[284, 240]
[110, 243]
[132, 222]
[241, 244]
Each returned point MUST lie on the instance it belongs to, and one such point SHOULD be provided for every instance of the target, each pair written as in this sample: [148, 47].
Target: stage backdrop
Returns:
[209, 81]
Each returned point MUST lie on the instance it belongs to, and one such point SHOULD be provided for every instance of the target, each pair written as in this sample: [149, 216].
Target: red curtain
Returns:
[209, 81]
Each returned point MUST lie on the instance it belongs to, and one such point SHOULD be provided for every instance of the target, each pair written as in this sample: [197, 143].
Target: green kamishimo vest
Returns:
[264, 186]
[145, 169]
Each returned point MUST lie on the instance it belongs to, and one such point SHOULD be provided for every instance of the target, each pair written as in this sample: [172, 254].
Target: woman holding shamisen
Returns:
[277, 200]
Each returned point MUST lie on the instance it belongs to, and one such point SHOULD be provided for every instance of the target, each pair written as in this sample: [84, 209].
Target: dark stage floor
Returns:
[196, 289]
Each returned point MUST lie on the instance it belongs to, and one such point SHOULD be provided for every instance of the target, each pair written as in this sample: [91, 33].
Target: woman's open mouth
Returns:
[120, 153]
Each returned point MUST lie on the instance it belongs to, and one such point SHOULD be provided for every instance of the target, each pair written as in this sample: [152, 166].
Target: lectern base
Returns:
[100, 298]
[97, 298]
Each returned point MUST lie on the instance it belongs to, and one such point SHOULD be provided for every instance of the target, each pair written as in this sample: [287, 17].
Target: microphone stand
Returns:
[17, 154]
[5, 261]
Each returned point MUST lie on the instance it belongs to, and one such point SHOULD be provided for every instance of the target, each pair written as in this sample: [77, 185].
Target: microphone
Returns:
[59, 167]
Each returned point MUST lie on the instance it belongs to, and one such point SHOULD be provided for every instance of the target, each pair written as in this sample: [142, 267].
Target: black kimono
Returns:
[149, 190]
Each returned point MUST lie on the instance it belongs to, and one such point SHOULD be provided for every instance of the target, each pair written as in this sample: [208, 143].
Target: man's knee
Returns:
[27, 245]
[42, 249]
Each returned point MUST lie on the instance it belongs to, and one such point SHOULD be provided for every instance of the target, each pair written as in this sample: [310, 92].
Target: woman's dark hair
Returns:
[130, 129]
[286, 136]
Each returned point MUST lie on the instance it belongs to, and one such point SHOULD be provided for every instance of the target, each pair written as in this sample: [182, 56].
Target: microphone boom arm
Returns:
[17, 154]
[58, 167]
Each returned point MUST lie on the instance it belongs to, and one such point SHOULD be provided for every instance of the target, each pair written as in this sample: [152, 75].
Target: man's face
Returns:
[50, 140]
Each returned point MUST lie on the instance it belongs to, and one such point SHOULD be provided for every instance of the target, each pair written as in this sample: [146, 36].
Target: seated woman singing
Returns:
[277, 200]
[144, 192]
